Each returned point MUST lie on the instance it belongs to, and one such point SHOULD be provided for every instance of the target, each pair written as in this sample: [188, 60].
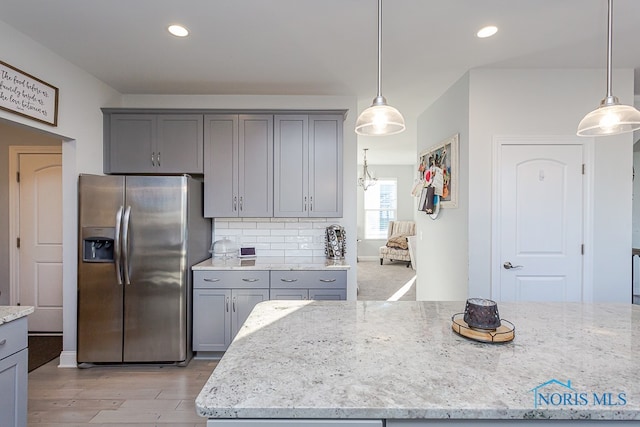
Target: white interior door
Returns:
[40, 233]
[540, 222]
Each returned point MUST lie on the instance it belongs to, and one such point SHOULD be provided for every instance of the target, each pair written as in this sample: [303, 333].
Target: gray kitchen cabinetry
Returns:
[238, 167]
[13, 373]
[153, 143]
[308, 165]
[222, 301]
[313, 285]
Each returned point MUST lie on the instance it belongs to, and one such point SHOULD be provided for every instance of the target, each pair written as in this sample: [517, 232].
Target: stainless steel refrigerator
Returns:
[138, 237]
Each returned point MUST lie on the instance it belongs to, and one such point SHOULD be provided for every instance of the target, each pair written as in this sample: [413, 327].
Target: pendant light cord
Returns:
[380, 48]
[609, 46]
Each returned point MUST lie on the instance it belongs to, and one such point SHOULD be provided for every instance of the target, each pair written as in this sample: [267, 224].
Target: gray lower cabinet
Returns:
[153, 143]
[308, 166]
[13, 373]
[222, 301]
[238, 168]
[305, 284]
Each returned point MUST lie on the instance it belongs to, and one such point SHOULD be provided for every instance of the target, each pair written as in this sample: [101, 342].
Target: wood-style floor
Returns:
[124, 396]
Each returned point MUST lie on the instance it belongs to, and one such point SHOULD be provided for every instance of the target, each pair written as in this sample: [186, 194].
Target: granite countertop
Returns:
[398, 360]
[273, 263]
[13, 312]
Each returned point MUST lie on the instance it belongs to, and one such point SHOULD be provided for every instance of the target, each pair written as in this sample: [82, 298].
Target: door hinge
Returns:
[17, 176]
[582, 249]
[18, 243]
[583, 168]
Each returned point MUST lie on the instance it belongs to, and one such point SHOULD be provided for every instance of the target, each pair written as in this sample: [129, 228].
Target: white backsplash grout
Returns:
[281, 237]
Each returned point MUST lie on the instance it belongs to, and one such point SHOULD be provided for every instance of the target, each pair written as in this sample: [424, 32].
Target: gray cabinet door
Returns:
[242, 302]
[325, 166]
[211, 319]
[255, 179]
[131, 143]
[180, 143]
[291, 166]
[289, 294]
[221, 165]
[13, 387]
[328, 294]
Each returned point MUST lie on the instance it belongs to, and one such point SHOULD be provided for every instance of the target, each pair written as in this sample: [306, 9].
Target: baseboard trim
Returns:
[68, 360]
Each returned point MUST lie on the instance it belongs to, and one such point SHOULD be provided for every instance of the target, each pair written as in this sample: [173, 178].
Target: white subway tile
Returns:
[284, 232]
[264, 252]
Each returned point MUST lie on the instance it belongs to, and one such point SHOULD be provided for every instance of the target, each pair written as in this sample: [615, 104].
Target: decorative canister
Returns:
[480, 313]
[335, 242]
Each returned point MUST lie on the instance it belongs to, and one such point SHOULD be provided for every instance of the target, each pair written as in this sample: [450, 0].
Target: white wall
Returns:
[552, 102]
[369, 249]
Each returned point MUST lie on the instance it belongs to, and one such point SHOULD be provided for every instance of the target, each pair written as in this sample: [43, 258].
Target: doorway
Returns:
[35, 200]
[539, 201]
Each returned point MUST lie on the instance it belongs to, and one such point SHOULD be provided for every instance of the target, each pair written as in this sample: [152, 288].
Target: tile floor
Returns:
[139, 396]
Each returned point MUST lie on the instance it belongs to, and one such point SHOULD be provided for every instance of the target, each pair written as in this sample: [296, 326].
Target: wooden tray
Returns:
[506, 331]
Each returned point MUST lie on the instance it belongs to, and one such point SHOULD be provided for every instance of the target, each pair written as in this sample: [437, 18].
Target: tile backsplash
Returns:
[282, 237]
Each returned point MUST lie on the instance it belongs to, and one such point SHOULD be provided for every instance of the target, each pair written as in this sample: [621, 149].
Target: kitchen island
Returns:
[400, 363]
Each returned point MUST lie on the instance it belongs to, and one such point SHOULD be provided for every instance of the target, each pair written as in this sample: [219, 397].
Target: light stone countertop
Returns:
[400, 360]
[13, 312]
[273, 263]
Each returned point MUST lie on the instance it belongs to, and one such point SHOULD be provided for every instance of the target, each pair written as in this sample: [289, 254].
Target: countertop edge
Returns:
[11, 312]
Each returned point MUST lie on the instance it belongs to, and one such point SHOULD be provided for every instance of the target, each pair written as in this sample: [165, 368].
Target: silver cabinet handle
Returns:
[125, 245]
[117, 246]
[235, 203]
[240, 202]
[158, 159]
[507, 266]
[250, 280]
[305, 203]
[234, 304]
[227, 304]
[327, 280]
[289, 280]
[310, 203]
[153, 159]
[3, 342]
[211, 280]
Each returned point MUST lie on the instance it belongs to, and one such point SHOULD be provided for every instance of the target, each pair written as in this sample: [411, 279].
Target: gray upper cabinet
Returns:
[238, 165]
[153, 143]
[308, 166]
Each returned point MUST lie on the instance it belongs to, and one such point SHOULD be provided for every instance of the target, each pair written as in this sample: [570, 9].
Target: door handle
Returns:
[125, 245]
[116, 248]
[507, 266]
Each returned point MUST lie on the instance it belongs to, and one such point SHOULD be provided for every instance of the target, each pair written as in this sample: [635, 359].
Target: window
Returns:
[380, 206]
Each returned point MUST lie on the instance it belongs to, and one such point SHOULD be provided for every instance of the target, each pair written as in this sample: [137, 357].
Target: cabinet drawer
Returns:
[13, 337]
[330, 279]
[230, 279]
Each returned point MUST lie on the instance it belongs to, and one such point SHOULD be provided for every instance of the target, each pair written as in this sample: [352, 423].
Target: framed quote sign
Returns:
[27, 96]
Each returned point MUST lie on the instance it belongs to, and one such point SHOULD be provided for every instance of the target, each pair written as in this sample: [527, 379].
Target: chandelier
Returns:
[366, 180]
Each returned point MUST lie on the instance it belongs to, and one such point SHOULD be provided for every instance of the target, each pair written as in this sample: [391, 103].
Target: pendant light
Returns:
[366, 180]
[611, 118]
[380, 119]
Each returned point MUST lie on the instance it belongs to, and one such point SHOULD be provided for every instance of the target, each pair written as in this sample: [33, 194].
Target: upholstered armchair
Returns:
[397, 247]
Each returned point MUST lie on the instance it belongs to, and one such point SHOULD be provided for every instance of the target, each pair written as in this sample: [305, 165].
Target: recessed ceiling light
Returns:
[178, 30]
[487, 31]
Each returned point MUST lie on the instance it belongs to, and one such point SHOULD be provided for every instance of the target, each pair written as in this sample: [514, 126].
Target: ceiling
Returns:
[324, 47]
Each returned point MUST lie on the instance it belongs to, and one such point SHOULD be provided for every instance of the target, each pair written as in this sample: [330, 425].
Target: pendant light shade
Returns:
[611, 117]
[380, 119]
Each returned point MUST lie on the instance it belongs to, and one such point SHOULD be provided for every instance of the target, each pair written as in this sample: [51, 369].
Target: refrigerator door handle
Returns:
[116, 246]
[125, 245]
